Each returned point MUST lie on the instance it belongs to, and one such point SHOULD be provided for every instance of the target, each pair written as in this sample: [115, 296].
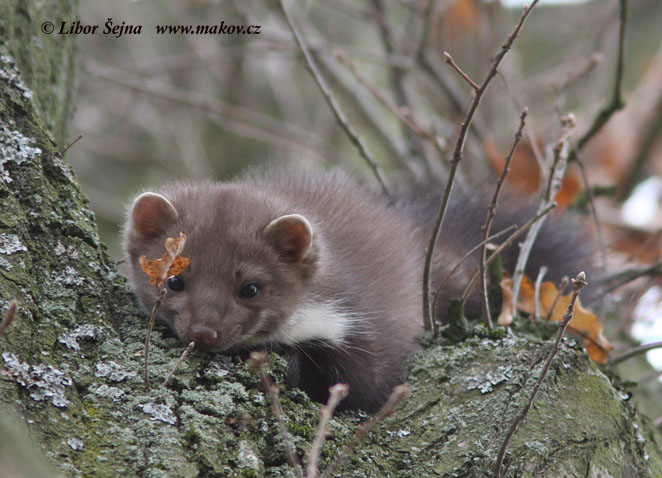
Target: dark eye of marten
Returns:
[175, 284]
[249, 291]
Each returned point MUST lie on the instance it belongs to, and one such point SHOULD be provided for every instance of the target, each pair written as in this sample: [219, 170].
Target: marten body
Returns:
[310, 264]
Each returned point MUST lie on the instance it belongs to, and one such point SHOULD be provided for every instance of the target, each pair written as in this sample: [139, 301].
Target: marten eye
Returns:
[249, 291]
[175, 284]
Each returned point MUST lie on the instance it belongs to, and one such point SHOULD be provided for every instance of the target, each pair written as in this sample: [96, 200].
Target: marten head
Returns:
[251, 262]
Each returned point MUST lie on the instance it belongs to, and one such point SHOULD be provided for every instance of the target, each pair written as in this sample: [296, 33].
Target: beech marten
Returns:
[318, 267]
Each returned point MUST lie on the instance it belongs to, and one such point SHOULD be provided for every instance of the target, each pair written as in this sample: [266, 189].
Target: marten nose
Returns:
[203, 335]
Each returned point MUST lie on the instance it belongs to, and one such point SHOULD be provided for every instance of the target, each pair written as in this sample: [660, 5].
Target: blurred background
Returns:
[154, 106]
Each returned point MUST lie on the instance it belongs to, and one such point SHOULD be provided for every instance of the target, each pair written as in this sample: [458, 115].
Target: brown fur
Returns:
[365, 259]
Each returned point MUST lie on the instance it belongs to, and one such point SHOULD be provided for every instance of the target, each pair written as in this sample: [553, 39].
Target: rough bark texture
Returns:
[72, 363]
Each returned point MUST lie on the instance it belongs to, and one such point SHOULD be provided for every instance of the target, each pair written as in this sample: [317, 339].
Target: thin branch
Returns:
[357, 140]
[396, 76]
[399, 393]
[402, 113]
[592, 208]
[491, 213]
[533, 142]
[559, 293]
[507, 243]
[368, 112]
[455, 161]
[336, 393]
[152, 320]
[571, 77]
[67, 147]
[634, 352]
[185, 354]
[536, 292]
[449, 60]
[238, 119]
[10, 316]
[174, 248]
[434, 71]
[577, 284]
[617, 103]
[622, 277]
[559, 162]
[650, 137]
[256, 362]
[461, 261]
[425, 28]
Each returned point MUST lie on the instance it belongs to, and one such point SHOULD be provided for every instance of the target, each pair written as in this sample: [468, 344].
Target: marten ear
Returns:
[151, 213]
[291, 235]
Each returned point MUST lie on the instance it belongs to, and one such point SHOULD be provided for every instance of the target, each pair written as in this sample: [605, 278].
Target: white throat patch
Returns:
[315, 321]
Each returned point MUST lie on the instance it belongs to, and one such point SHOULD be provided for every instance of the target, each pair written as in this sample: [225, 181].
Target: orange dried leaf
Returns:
[153, 268]
[175, 246]
[172, 263]
[583, 323]
[178, 266]
[506, 315]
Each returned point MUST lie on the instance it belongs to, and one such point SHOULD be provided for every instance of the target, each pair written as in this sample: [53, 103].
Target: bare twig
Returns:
[559, 162]
[399, 393]
[617, 103]
[185, 353]
[366, 110]
[457, 158]
[650, 136]
[449, 60]
[66, 148]
[453, 92]
[380, 96]
[397, 78]
[491, 213]
[622, 277]
[238, 119]
[256, 362]
[437, 73]
[533, 142]
[336, 394]
[536, 292]
[571, 77]
[152, 320]
[10, 315]
[577, 284]
[357, 140]
[592, 208]
[402, 113]
[425, 28]
[507, 243]
[634, 352]
[461, 261]
[562, 285]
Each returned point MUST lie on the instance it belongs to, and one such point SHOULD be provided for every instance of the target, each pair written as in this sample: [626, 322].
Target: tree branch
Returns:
[357, 140]
[455, 161]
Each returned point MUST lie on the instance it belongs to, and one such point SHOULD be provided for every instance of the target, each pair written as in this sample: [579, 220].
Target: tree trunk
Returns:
[72, 362]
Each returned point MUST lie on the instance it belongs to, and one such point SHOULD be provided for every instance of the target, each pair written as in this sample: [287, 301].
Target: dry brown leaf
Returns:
[506, 315]
[171, 264]
[583, 323]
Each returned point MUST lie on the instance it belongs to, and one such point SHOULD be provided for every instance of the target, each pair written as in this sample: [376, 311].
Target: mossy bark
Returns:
[72, 362]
